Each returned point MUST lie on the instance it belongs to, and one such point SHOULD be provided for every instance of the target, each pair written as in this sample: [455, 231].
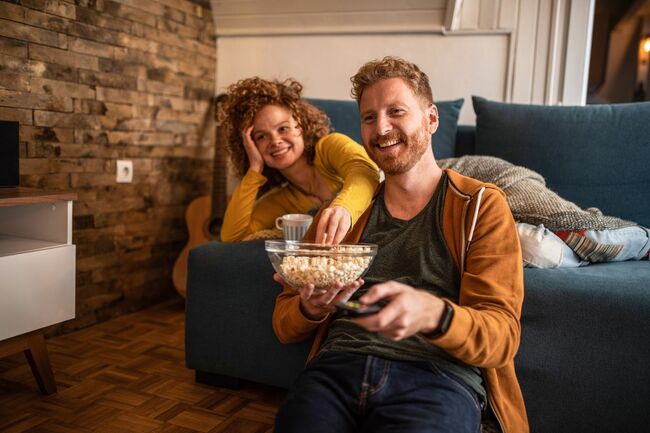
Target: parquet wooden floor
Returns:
[129, 375]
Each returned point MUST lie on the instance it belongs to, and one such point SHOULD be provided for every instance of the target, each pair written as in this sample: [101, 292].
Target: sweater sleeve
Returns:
[349, 161]
[237, 221]
[289, 324]
[246, 214]
[485, 329]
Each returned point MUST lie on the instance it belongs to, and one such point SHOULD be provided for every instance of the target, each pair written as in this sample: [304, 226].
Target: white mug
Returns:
[293, 225]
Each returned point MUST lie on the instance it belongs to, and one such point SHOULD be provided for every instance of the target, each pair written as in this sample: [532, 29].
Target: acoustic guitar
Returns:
[204, 214]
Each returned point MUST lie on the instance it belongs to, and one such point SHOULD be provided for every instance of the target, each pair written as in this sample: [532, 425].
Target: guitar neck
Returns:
[218, 204]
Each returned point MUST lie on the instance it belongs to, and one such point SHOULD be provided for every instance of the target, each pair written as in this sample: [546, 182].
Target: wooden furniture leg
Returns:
[39, 361]
[33, 345]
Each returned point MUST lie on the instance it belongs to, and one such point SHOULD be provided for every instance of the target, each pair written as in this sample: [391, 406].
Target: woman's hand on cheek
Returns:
[254, 156]
[333, 225]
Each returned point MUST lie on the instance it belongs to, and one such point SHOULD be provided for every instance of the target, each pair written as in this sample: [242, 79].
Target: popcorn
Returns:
[323, 271]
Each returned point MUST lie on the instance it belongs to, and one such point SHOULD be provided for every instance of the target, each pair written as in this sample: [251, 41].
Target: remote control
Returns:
[357, 309]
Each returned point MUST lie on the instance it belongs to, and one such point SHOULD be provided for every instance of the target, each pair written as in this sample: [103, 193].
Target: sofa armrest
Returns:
[230, 300]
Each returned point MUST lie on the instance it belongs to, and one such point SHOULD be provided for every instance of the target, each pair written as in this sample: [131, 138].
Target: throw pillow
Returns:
[595, 155]
[345, 119]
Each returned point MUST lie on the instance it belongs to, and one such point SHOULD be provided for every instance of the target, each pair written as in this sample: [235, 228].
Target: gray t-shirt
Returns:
[412, 252]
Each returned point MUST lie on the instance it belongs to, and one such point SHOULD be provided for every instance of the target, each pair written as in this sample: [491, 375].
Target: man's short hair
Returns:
[392, 67]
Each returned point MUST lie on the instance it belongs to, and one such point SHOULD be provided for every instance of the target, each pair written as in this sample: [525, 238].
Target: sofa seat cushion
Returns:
[230, 299]
[585, 331]
[595, 155]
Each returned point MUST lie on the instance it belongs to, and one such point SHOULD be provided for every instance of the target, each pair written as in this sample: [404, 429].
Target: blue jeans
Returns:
[344, 392]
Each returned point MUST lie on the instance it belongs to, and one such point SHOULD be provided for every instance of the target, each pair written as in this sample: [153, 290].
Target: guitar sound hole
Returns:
[214, 227]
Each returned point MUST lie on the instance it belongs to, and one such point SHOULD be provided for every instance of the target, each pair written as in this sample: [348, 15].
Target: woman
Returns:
[277, 138]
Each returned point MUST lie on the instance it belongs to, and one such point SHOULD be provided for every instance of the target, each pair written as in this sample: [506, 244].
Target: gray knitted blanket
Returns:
[528, 197]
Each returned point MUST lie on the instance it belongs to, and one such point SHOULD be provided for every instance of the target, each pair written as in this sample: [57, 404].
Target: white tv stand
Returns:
[37, 273]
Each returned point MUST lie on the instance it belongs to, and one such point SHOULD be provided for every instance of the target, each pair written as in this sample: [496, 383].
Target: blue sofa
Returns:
[584, 358]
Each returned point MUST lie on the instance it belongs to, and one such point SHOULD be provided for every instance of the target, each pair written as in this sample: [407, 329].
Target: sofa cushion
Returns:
[595, 155]
[229, 307]
[582, 361]
[345, 119]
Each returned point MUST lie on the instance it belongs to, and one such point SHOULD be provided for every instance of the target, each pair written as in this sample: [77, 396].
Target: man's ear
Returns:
[432, 118]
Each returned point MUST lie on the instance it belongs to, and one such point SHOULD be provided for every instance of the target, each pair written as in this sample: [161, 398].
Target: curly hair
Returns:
[391, 67]
[247, 97]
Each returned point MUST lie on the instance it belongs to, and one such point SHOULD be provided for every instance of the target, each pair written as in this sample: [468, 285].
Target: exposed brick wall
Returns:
[93, 81]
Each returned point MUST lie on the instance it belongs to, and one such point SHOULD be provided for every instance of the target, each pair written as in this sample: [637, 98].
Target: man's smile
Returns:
[389, 143]
[389, 140]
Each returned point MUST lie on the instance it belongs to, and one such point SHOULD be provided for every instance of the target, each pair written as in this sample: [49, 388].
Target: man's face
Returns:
[396, 126]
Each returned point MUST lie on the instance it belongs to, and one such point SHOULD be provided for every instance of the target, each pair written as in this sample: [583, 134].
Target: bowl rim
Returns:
[312, 248]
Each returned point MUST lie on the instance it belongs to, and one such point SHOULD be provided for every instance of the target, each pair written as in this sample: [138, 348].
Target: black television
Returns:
[9, 174]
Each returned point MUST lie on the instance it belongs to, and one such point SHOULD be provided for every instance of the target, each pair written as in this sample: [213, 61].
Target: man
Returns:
[440, 353]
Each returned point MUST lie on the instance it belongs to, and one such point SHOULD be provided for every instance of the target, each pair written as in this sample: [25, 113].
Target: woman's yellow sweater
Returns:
[341, 162]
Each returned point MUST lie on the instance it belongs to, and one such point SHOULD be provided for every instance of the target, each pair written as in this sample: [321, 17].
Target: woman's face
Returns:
[277, 136]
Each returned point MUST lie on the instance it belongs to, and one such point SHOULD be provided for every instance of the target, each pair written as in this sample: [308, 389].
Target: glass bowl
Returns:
[302, 263]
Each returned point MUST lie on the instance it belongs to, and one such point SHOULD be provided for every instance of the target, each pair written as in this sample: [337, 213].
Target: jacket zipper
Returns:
[463, 245]
[464, 248]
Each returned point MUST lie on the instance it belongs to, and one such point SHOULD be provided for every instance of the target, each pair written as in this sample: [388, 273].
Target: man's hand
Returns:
[333, 225]
[318, 303]
[409, 311]
[255, 159]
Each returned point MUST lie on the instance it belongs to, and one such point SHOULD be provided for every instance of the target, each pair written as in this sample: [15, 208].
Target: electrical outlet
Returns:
[124, 171]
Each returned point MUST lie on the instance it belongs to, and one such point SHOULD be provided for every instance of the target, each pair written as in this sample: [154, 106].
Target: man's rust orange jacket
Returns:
[480, 233]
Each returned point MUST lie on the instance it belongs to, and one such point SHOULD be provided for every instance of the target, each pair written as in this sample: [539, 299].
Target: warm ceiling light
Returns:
[646, 44]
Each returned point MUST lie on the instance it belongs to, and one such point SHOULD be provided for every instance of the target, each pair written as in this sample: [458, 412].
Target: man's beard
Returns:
[414, 147]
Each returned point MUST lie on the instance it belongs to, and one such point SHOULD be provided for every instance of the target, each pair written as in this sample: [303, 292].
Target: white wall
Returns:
[527, 51]
[457, 66]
